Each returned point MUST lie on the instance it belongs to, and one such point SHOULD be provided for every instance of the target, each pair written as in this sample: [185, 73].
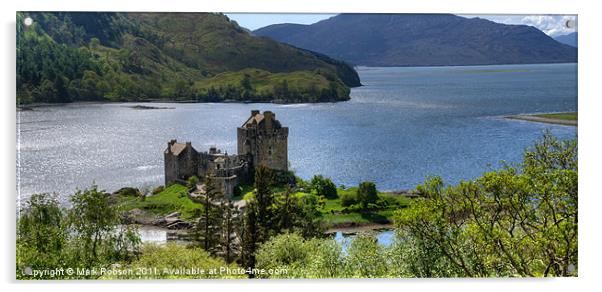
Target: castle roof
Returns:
[177, 148]
[257, 118]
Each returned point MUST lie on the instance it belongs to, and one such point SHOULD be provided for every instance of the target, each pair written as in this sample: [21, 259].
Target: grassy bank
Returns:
[172, 199]
[567, 118]
[570, 116]
[334, 214]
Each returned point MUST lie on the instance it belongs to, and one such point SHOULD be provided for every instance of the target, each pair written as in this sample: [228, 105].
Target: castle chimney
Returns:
[254, 112]
[268, 118]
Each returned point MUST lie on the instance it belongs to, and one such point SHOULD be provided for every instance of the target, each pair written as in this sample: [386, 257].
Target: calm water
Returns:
[402, 126]
[158, 235]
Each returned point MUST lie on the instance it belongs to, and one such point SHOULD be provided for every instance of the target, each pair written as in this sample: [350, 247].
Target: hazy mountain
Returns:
[71, 56]
[568, 39]
[421, 40]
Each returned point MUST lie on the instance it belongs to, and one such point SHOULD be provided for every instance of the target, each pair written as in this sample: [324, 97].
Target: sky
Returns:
[552, 25]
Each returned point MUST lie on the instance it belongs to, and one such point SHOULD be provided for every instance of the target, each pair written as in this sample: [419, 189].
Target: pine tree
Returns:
[207, 231]
[250, 235]
[287, 210]
[230, 226]
[264, 198]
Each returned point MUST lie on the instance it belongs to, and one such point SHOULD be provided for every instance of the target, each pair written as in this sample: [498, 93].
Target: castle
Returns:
[261, 141]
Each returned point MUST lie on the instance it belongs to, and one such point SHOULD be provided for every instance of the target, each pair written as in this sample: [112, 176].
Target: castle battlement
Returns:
[261, 141]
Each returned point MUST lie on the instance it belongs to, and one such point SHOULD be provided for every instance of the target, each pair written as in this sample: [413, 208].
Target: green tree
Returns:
[230, 230]
[367, 194]
[365, 258]
[94, 43]
[208, 228]
[264, 178]
[245, 83]
[42, 234]
[173, 257]
[300, 257]
[250, 234]
[324, 187]
[510, 222]
[99, 237]
[298, 212]
[192, 182]
[281, 90]
[286, 206]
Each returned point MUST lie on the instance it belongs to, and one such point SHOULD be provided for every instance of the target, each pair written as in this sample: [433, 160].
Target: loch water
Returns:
[403, 125]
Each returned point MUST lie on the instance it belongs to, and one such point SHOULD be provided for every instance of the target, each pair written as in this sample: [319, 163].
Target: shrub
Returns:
[172, 257]
[348, 199]
[128, 192]
[192, 182]
[158, 190]
[301, 258]
[323, 187]
[237, 192]
[367, 194]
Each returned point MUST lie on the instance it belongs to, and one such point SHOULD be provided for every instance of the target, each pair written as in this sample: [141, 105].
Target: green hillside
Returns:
[85, 56]
[262, 86]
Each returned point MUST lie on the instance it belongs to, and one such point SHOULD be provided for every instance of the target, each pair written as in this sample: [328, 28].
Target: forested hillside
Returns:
[86, 56]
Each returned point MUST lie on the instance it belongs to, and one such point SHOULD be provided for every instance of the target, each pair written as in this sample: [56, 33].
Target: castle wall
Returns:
[266, 142]
[272, 149]
[171, 168]
[187, 163]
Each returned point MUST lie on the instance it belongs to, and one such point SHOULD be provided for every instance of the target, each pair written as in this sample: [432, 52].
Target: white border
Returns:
[589, 137]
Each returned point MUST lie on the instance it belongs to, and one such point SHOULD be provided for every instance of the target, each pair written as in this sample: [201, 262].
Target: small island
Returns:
[191, 176]
[567, 119]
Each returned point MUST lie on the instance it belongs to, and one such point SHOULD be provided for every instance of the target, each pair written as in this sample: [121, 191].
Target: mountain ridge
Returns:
[421, 40]
[568, 39]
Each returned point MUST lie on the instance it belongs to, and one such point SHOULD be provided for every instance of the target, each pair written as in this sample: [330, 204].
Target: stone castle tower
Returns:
[261, 141]
[264, 140]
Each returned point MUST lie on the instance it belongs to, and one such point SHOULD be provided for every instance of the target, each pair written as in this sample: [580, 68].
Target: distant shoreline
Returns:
[565, 119]
[360, 67]
[33, 106]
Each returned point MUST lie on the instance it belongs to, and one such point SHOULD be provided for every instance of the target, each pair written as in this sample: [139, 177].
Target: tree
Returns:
[230, 228]
[94, 43]
[505, 223]
[281, 90]
[173, 257]
[324, 187]
[192, 182]
[286, 209]
[297, 212]
[365, 258]
[97, 231]
[308, 217]
[207, 230]
[245, 83]
[42, 234]
[264, 178]
[367, 194]
[250, 235]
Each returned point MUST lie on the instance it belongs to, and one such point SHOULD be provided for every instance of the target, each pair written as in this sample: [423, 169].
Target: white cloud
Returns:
[552, 25]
